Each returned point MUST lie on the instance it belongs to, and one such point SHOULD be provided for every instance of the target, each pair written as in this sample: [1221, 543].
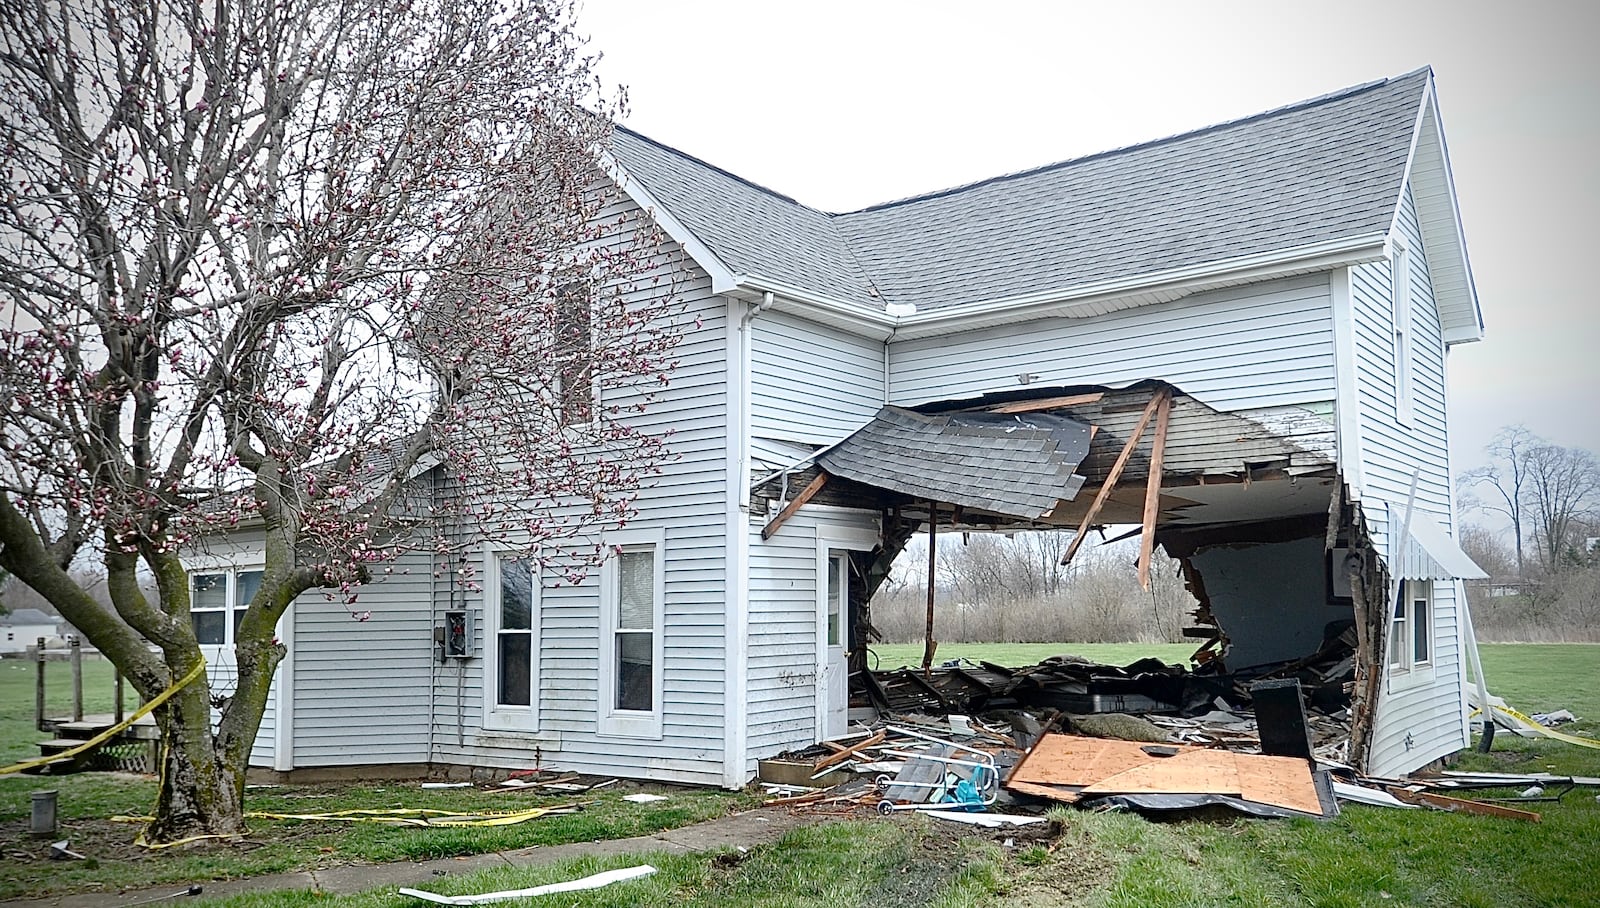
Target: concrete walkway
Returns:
[755, 827]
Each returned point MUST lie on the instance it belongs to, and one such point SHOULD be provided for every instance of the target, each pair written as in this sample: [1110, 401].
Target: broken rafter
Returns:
[1048, 403]
[1116, 473]
[806, 494]
[1152, 488]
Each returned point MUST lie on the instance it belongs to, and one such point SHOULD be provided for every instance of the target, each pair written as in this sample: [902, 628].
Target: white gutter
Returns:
[1071, 301]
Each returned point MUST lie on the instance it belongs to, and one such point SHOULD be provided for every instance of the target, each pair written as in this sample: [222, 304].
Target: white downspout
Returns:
[736, 517]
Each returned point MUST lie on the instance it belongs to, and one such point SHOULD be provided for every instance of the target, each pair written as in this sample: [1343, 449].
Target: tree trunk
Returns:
[200, 795]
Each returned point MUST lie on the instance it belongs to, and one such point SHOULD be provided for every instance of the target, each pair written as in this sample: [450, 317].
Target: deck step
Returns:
[120, 754]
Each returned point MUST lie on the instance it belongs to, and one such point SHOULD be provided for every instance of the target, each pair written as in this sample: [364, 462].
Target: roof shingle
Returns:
[1322, 170]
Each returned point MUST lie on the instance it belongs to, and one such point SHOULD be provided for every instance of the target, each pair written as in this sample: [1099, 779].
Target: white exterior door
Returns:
[832, 674]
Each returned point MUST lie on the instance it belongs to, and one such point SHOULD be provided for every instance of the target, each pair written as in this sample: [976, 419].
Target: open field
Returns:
[1368, 856]
[894, 655]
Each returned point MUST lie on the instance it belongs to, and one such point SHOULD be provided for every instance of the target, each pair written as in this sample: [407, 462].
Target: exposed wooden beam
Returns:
[1152, 488]
[806, 494]
[928, 643]
[1114, 475]
[1048, 403]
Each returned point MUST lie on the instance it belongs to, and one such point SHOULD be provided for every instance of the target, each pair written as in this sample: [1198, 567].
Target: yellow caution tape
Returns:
[114, 730]
[399, 816]
[1535, 727]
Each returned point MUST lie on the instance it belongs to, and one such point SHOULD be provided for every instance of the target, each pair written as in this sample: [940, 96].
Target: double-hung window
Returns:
[631, 613]
[217, 602]
[511, 650]
[574, 355]
[1411, 629]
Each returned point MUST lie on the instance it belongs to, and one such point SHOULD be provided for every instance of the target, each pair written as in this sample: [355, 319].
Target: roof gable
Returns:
[1322, 171]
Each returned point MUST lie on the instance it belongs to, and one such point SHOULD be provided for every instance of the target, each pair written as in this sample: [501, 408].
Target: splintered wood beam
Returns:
[1048, 403]
[928, 643]
[806, 494]
[1152, 488]
[1113, 476]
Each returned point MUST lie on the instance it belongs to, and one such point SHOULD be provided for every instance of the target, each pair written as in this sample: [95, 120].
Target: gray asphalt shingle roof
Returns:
[1016, 465]
[1322, 170]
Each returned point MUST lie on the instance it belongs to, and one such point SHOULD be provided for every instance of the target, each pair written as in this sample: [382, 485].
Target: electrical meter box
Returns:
[454, 637]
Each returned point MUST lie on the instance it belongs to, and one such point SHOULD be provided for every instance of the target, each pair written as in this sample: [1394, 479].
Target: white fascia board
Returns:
[852, 317]
[1192, 279]
[722, 277]
[1468, 335]
[1069, 302]
[1411, 157]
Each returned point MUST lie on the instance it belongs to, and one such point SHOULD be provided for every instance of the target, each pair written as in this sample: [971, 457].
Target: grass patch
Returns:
[901, 862]
[88, 799]
[894, 655]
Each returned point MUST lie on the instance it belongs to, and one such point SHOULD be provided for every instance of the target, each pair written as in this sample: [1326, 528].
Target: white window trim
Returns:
[495, 716]
[626, 723]
[574, 429]
[229, 568]
[1400, 316]
[1408, 671]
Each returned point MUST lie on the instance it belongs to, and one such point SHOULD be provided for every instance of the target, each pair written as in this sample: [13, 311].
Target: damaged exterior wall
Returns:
[1418, 720]
[1261, 598]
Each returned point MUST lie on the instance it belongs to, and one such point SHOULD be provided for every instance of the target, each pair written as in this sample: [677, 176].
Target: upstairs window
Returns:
[574, 356]
[1400, 281]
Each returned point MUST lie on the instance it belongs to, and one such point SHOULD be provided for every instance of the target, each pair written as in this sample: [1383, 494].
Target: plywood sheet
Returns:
[1067, 767]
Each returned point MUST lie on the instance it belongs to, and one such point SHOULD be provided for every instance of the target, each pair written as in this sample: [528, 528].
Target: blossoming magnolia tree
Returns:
[280, 264]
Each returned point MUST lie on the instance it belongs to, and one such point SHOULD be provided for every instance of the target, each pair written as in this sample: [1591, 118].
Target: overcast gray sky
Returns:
[846, 104]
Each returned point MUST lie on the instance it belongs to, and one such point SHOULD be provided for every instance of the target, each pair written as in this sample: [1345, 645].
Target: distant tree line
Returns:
[1544, 580]
[998, 589]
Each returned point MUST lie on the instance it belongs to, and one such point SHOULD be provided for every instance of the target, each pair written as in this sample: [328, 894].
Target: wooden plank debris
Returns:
[1461, 805]
[1152, 488]
[1112, 477]
[1049, 403]
[806, 494]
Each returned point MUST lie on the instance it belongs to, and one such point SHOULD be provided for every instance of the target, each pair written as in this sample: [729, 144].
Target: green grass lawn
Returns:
[894, 655]
[88, 799]
[1368, 856]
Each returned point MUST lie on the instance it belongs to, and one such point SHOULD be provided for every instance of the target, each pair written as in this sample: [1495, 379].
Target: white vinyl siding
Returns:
[1419, 717]
[686, 504]
[783, 634]
[811, 383]
[361, 686]
[1256, 346]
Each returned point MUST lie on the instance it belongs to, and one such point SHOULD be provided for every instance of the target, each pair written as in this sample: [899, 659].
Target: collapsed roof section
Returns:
[1022, 460]
[1007, 464]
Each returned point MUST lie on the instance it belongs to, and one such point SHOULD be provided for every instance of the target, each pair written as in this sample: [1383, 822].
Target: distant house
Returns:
[976, 358]
[23, 628]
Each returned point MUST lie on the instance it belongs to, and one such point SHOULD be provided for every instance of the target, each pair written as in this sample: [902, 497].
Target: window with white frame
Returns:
[511, 648]
[631, 607]
[1400, 282]
[1411, 629]
[574, 355]
[838, 589]
[217, 602]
